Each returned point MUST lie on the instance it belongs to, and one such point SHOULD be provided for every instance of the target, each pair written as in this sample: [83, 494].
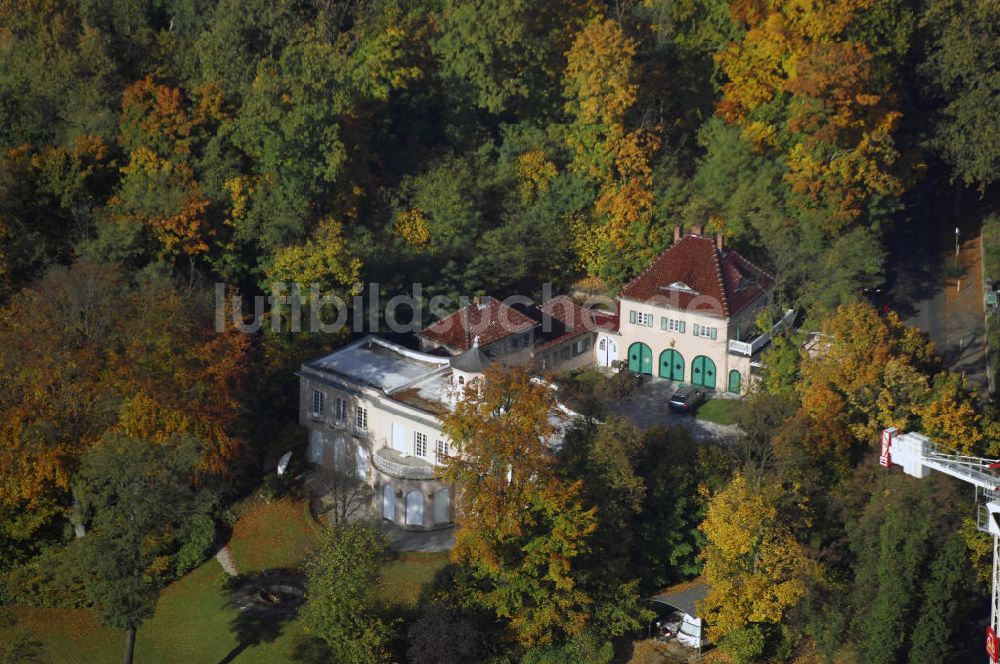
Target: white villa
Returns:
[374, 408]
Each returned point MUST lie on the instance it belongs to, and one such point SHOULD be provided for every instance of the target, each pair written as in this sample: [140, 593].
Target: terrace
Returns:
[749, 340]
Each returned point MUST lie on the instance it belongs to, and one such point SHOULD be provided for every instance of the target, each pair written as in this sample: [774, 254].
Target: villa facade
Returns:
[373, 409]
[692, 316]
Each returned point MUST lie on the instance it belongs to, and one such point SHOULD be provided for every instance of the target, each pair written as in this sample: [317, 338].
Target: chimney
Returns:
[697, 229]
[677, 233]
[719, 241]
[468, 327]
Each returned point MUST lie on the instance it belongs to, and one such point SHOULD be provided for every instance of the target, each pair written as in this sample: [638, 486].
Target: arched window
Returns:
[442, 506]
[414, 508]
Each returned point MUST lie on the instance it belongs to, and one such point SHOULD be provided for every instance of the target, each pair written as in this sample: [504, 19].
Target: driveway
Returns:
[928, 296]
[647, 408]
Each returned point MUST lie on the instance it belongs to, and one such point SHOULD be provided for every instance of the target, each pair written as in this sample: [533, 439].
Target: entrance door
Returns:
[388, 503]
[414, 508]
[607, 352]
[703, 372]
[640, 358]
[734, 381]
[672, 365]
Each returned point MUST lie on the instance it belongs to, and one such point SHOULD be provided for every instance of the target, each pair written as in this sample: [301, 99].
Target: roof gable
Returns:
[694, 274]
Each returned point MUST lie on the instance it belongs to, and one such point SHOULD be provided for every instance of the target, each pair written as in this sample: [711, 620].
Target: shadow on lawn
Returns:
[253, 628]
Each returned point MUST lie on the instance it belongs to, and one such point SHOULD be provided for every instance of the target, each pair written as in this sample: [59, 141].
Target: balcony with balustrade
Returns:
[750, 339]
[396, 464]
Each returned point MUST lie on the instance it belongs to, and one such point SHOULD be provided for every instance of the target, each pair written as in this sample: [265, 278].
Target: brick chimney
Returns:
[719, 241]
[697, 229]
[677, 233]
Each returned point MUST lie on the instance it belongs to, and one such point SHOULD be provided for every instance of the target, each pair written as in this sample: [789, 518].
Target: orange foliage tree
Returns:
[85, 353]
[520, 525]
[800, 84]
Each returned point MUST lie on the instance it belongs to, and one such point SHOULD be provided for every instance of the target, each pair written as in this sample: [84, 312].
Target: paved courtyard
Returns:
[647, 407]
[432, 541]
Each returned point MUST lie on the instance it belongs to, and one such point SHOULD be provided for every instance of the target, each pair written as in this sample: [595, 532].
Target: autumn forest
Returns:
[151, 149]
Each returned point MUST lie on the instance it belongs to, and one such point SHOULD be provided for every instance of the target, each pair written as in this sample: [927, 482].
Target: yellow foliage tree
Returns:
[600, 87]
[325, 259]
[412, 226]
[755, 568]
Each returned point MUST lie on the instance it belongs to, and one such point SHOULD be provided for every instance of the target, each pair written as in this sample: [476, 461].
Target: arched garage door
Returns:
[672, 365]
[703, 372]
[414, 508]
[640, 358]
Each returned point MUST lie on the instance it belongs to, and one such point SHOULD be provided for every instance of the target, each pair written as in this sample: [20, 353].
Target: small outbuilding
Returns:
[677, 611]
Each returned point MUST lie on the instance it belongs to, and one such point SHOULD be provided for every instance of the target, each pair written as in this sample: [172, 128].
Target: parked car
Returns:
[687, 399]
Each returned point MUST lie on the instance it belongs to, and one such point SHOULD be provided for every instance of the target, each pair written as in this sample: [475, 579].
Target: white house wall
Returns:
[686, 343]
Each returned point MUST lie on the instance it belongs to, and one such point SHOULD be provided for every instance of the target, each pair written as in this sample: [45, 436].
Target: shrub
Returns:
[201, 535]
[272, 488]
[745, 645]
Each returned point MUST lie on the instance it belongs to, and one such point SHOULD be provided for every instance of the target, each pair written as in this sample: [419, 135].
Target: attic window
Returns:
[681, 286]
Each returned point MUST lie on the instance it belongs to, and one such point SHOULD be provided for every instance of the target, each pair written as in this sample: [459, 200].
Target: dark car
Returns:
[687, 399]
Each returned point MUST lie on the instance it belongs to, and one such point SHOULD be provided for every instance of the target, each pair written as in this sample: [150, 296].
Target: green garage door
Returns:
[640, 359]
[671, 365]
[703, 372]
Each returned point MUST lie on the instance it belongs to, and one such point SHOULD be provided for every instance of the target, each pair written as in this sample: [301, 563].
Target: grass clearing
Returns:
[720, 411]
[404, 577]
[194, 622]
[267, 535]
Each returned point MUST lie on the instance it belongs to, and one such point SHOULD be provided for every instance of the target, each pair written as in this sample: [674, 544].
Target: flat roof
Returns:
[684, 596]
[380, 363]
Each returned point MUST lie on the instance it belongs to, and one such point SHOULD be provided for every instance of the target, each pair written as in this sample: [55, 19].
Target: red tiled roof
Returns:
[719, 280]
[566, 320]
[606, 321]
[491, 321]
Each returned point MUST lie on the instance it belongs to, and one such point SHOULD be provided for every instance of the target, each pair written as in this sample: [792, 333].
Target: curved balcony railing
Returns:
[391, 462]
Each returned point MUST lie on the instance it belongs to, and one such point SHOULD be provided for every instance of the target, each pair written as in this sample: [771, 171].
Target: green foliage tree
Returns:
[911, 574]
[962, 73]
[341, 575]
[138, 495]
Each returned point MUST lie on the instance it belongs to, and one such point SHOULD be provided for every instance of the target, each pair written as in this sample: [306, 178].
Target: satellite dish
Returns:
[283, 462]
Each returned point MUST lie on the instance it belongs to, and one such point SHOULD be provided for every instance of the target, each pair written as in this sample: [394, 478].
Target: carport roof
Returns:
[684, 596]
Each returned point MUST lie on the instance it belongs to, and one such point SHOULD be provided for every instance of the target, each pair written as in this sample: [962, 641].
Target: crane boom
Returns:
[919, 455]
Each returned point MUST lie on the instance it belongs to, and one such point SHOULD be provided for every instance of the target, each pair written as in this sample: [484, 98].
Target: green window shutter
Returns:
[682, 326]
[663, 322]
[649, 320]
[715, 332]
[631, 317]
[694, 329]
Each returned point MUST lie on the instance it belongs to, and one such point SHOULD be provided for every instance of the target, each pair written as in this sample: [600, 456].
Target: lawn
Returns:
[279, 534]
[720, 411]
[194, 623]
[404, 577]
